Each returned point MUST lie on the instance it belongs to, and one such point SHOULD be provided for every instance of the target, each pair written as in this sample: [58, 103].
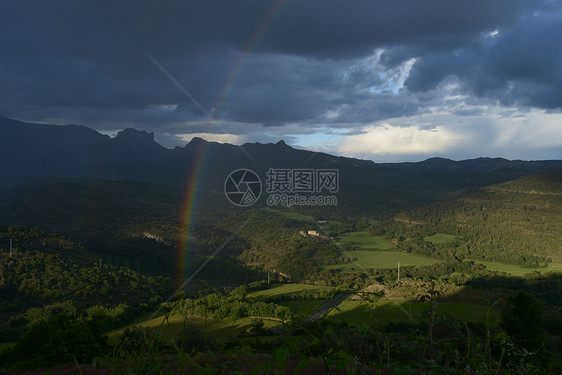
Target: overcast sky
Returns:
[387, 80]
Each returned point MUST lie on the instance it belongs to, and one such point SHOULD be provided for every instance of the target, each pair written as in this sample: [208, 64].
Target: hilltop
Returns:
[516, 222]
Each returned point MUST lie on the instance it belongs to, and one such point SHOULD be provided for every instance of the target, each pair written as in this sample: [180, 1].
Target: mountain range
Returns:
[36, 157]
[34, 150]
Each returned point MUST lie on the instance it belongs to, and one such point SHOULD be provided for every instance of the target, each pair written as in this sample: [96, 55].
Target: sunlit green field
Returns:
[293, 215]
[385, 311]
[223, 329]
[364, 241]
[174, 326]
[440, 238]
[382, 259]
[356, 312]
[303, 309]
[555, 267]
[286, 289]
[516, 270]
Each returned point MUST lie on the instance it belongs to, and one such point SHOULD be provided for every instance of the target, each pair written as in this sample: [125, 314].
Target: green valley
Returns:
[266, 278]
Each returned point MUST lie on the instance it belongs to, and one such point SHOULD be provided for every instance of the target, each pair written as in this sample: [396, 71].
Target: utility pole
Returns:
[100, 263]
[268, 279]
[398, 270]
[10, 247]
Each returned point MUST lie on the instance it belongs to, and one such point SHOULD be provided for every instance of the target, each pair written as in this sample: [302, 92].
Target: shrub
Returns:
[56, 339]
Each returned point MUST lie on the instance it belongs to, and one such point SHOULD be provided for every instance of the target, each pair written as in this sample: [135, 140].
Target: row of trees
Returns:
[228, 307]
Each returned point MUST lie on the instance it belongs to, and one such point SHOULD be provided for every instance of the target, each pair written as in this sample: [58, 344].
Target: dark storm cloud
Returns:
[338, 28]
[85, 61]
[518, 65]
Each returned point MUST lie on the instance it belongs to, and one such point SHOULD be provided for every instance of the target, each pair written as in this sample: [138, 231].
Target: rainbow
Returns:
[247, 50]
[190, 201]
[189, 207]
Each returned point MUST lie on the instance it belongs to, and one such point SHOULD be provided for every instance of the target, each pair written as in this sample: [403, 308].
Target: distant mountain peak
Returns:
[438, 158]
[197, 140]
[134, 135]
[279, 145]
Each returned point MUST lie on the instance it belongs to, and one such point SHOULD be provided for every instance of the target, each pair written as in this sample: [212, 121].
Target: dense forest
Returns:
[516, 222]
[45, 271]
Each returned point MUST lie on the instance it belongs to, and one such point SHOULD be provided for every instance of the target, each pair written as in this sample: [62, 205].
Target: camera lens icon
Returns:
[242, 187]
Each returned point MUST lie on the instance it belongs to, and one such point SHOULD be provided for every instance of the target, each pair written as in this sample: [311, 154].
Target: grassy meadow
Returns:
[174, 325]
[286, 289]
[391, 311]
[440, 238]
[515, 270]
[293, 215]
[382, 259]
[364, 241]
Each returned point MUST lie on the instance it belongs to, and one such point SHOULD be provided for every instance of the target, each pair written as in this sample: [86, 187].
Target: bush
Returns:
[54, 340]
[141, 340]
[521, 319]
[137, 339]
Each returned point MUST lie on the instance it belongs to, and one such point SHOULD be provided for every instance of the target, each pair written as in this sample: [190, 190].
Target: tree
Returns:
[430, 296]
[521, 318]
[60, 338]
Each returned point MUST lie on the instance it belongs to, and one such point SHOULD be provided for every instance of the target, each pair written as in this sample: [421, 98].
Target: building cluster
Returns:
[313, 233]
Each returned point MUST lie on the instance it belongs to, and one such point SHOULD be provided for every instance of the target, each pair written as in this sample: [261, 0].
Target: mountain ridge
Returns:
[476, 165]
[136, 137]
[68, 151]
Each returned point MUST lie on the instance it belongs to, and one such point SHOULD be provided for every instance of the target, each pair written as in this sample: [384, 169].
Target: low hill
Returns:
[478, 165]
[127, 223]
[516, 222]
[46, 269]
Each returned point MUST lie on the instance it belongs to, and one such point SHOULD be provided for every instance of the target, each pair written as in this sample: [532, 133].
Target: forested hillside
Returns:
[518, 222]
[48, 269]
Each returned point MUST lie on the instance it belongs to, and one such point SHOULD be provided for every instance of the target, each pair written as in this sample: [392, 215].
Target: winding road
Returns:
[325, 308]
